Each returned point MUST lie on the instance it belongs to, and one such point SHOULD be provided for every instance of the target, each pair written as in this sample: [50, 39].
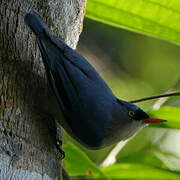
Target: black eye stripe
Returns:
[139, 115]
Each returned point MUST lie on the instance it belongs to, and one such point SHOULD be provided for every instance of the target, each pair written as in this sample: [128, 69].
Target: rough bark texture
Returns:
[27, 150]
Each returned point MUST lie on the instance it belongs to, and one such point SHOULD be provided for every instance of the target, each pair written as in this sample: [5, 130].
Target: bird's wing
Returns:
[60, 80]
[76, 59]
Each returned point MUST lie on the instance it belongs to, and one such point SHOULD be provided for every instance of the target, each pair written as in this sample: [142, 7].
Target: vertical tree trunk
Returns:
[27, 150]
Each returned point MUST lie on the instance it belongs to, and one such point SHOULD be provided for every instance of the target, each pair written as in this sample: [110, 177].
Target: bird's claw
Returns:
[61, 153]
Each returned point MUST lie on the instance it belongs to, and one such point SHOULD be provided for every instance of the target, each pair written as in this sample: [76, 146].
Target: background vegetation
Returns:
[137, 63]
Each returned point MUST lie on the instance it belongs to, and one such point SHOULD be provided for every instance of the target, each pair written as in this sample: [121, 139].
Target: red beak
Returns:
[153, 120]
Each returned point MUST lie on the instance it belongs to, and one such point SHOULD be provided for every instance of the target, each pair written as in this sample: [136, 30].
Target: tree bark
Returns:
[27, 149]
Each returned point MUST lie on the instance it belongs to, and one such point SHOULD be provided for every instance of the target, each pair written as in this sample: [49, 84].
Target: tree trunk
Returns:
[27, 150]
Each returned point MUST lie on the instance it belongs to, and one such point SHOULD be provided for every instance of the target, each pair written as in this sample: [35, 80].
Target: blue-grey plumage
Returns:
[93, 115]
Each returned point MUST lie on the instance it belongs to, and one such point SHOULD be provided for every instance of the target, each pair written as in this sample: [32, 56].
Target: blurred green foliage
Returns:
[134, 66]
[152, 17]
[146, 65]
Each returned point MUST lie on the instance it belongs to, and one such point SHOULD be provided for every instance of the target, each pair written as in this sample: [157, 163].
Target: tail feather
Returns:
[36, 24]
[40, 29]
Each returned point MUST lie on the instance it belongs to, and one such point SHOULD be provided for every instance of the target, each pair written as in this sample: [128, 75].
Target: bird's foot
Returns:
[60, 153]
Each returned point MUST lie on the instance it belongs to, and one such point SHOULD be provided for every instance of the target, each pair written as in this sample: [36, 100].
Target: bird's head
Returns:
[137, 114]
[126, 121]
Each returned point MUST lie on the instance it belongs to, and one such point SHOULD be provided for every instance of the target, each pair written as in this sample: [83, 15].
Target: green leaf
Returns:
[97, 156]
[77, 163]
[139, 171]
[158, 18]
[147, 158]
[169, 113]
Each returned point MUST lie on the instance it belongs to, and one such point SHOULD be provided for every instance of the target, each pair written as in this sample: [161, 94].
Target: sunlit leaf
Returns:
[96, 156]
[77, 163]
[157, 18]
[139, 171]
[169, 113]
[147, 158]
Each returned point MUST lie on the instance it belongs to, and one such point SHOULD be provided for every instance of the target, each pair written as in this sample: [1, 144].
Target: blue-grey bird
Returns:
[92, 113]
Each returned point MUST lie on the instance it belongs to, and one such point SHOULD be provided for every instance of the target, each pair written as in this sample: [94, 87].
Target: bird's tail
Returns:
[36, 24]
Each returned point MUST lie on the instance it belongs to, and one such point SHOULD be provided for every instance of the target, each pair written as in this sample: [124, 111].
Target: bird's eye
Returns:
[131, 113]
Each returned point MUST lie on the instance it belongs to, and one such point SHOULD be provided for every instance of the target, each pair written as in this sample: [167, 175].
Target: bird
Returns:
[93, 115]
